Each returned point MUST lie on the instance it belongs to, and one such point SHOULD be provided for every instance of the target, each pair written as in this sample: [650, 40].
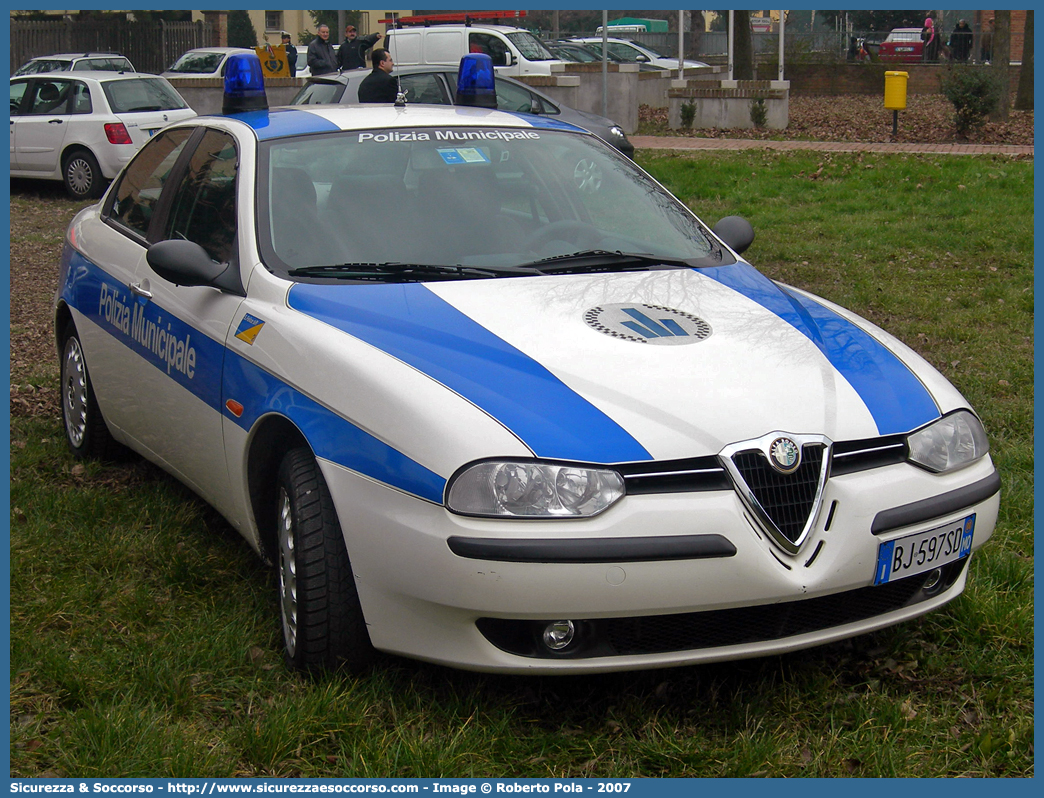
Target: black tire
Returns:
[85, 430]
[322, 620]
[82, 176]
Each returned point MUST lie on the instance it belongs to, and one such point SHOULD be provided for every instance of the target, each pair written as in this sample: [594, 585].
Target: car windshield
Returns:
[322, 91]
[197, 63]
[404, 204]
[530, 46]
[141, 94]
[656, 51]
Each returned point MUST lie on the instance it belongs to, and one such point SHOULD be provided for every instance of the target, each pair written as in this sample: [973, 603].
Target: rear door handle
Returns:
[140, 291]
[54, 121]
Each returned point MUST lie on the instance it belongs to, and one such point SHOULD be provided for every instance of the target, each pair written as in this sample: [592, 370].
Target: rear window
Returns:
[197, 63]
[319, 92]
[105, 64]
[904, 36]
[145, 94]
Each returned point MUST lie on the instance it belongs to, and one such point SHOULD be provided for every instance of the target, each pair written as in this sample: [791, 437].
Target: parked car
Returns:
[589, 53]
[636, 53]
[204, 62]
[75, 62]
[902, 46]
[83, 127]
[435, 85]
[489, 396]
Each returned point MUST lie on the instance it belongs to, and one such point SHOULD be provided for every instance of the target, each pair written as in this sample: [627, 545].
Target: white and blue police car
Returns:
[489, 396]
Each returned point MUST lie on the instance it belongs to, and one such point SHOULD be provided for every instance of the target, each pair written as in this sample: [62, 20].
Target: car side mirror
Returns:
[508, 61]
[736, 232]
[642, 59]
[536, 107]
[187, 263]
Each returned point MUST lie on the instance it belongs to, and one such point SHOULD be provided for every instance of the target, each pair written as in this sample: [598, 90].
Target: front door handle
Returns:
[54, 121]
[140, 291]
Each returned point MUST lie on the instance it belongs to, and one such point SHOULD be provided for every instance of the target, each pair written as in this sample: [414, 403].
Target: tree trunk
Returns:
[1001, 64]
[743, 43]
[1024, 99]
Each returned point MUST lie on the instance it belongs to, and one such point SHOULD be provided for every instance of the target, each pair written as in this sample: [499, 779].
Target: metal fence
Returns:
[151, 46]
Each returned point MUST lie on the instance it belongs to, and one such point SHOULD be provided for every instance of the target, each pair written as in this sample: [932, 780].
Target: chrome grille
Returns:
[787, 499]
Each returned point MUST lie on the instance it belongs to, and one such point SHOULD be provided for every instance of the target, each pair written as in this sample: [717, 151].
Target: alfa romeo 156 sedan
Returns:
[487, 395]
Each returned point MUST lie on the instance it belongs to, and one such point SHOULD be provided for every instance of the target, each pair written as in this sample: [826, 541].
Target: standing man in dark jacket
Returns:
[961, 41]
[350, 55]
[321, 55]
[291, 54]
[379, 86]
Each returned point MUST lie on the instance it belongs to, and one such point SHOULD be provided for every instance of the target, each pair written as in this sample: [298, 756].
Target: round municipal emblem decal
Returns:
[647, 324]
[784, 455]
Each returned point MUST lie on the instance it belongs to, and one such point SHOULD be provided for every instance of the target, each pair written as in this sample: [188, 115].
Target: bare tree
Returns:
[1001, 64]
[1024, 98]
[743, 47]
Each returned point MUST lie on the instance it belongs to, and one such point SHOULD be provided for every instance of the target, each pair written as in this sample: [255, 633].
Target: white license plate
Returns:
[924, 551]
[904, 49]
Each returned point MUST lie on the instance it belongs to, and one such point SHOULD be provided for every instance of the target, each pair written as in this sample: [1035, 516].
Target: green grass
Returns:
[145, 639]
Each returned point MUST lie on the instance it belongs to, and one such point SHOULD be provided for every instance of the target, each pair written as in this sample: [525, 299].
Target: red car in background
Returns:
[903, 46]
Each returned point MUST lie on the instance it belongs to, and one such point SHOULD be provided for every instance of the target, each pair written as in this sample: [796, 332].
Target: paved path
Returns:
[684, 143]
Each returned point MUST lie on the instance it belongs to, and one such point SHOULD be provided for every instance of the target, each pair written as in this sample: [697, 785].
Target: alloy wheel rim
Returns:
[287, 574]
[80, 175]
[74, 392]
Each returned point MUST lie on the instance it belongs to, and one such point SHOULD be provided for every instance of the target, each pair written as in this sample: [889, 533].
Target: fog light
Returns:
[559, 634]
[932, 581]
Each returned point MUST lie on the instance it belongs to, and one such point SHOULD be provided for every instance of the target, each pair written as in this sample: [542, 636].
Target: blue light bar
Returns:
[476, 81]
[244, 85]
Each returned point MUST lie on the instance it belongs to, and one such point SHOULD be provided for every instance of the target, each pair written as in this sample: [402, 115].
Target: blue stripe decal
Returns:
[208, 370]
[330, 436]
[896, 399]
[186, 355]
[285, 122]
[414, 325]
[538, 121]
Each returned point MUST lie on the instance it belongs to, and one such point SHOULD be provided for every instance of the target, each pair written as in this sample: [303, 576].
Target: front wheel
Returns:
[82, 176]
[323, 625]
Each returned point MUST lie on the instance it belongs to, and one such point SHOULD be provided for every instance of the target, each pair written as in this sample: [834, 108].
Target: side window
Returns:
[489, 44]
[138, 190]
[423, 89]
[50, 97]
[204, 206]
[81, 98]
[514, 98]
[17, 93]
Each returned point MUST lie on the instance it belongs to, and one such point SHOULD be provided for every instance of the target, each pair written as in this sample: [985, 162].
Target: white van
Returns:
[514, 51]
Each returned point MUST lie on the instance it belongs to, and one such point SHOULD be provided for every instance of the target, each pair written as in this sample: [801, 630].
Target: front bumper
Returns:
[425, 597]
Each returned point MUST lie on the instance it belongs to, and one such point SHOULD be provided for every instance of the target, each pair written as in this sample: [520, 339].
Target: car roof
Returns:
[217, 50]
[300, 120]
[87, 74]
[71, 56]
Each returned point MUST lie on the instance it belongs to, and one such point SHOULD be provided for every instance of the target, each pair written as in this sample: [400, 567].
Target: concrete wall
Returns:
[727, 104]
[204, 95]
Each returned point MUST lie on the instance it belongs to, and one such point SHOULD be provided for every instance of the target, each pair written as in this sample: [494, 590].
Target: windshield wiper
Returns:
[601, 260]
[393, 270]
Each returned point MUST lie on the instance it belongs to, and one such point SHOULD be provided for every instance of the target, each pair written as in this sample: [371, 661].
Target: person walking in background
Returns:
[350, 54]
[379, 86]
[291, 54]
[961, 41]
[986, 43]
[321, 55]
[931, 42]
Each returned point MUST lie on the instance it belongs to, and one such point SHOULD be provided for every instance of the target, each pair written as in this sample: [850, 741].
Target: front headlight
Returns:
[952, 442]
[533, 490]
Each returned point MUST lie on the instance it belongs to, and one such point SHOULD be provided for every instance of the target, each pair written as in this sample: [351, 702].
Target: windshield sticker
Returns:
[463, 155]
[249, 327]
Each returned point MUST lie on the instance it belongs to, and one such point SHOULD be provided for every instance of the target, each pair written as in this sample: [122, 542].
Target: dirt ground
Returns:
[928, 119]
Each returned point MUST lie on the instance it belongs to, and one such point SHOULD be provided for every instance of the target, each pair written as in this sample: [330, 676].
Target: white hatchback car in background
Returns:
[203, 62]
[83, 127]
[76, 62]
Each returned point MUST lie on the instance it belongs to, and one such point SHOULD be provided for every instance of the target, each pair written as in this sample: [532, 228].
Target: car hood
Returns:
[635, 366]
